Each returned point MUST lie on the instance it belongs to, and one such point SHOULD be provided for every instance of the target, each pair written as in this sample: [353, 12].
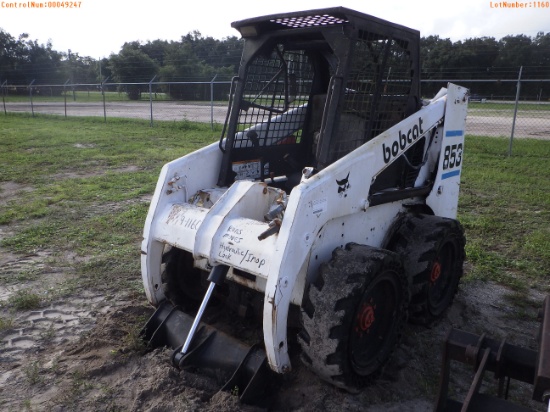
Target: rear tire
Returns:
[432, 249]
[353, 315]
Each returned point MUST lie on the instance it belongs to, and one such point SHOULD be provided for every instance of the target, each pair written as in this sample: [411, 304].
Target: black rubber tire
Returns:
[353, 315]
[181, 281]
[432, 249]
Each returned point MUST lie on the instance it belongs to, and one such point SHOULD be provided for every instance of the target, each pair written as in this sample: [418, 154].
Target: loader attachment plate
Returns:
[244, 368]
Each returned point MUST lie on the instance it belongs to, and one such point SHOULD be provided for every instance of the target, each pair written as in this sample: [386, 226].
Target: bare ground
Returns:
[83, 353]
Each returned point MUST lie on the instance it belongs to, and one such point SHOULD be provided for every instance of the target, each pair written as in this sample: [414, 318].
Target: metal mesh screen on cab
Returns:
[377, 91]
[275, 95]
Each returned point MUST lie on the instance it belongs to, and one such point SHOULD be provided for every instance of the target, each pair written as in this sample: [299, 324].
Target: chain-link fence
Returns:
[521, 109]
[194, 101]
[506, 108]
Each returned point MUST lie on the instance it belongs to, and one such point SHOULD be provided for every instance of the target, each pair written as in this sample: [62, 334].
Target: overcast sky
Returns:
[100, 27]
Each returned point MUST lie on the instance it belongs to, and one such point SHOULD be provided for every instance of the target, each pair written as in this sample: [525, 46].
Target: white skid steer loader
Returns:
[332, 193]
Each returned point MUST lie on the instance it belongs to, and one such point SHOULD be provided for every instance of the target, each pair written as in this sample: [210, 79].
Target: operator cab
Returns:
[312, 87]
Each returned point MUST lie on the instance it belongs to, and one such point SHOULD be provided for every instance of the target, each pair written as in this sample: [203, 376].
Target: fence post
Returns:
[65, 96]
[30, 97]
[4, 89]
[515, 111]
[151, 97]
[103, 94]
[212, 101]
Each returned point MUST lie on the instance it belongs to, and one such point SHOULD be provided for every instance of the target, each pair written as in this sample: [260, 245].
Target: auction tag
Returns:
[249, 169]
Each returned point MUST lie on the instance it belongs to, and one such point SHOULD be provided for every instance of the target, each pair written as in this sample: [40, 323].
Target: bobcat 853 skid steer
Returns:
[332, 194]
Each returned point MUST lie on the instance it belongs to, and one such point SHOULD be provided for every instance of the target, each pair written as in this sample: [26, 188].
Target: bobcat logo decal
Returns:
[343, 186]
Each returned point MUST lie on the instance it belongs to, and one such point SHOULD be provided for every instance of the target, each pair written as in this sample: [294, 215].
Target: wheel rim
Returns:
[372, 328]
[441, 279]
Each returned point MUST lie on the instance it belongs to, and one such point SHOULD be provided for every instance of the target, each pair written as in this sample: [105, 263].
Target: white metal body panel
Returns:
[178, 180]
[443, 200]
[325, 211]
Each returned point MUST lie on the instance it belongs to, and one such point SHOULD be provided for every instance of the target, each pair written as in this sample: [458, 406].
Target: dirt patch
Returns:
[84, 145]
[85, 354]
[8, 190]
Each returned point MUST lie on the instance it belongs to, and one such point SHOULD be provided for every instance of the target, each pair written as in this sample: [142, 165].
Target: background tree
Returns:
[196, 58]
[11, 57]
[132, 66]
[23, 60]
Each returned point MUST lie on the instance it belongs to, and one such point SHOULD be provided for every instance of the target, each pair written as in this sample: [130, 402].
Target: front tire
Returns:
[353, 315]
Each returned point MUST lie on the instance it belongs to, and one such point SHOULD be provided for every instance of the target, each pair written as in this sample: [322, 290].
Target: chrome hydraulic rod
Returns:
[216, 276]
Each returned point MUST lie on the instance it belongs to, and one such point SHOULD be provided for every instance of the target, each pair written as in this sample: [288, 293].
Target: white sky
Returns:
[100, 27]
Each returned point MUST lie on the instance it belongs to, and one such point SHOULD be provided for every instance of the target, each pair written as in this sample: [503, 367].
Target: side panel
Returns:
[444, 198]
[340, 190]
[367, 227]
[178, 180]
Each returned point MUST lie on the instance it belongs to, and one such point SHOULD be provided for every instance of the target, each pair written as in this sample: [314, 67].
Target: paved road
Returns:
[533, 124]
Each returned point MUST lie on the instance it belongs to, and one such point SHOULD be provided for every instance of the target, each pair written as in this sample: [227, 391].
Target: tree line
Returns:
[486, 58]
[198, 58]
[194, 58]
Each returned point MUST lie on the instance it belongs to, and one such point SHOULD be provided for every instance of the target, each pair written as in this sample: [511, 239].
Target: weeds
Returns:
[27, 405]
[69, 396]
[48, 334]
[504, 206]
[24, 300]
[32, 373]
[5, 323]
[88, 198]
[83, 191]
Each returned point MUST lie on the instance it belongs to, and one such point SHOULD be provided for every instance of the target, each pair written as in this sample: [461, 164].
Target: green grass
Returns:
[24, 299]
[508, 106]
[41, 150]
[92, 96]
[33, 373]
[80, 97]
[82, 188]
[506, 110]
[505, 208]
[5, 323]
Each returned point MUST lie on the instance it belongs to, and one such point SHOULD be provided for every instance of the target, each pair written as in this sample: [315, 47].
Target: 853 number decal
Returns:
[452, 156]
